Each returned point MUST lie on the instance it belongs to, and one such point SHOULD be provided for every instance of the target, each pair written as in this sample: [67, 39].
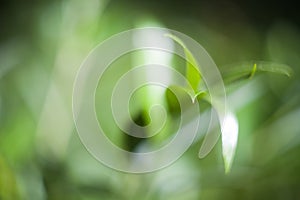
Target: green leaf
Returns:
[175, 94]
[253, 70]
[201, 95]
[232, 73]
[192, 70]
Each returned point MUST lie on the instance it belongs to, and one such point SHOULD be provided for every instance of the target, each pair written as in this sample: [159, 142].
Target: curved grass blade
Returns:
[253, 70]
[193, 73]
[244, 70]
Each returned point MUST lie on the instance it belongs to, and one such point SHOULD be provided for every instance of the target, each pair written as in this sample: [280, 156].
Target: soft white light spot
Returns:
[229, 138]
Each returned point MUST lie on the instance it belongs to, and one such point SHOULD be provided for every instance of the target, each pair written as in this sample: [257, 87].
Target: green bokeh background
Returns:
[43, 43]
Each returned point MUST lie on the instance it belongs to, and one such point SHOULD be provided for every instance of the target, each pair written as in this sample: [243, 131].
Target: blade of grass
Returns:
[193, 73]
[239, 71]
[253, 70]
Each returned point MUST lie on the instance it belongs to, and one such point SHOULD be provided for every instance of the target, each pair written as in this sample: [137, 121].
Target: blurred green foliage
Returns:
[42, 44]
